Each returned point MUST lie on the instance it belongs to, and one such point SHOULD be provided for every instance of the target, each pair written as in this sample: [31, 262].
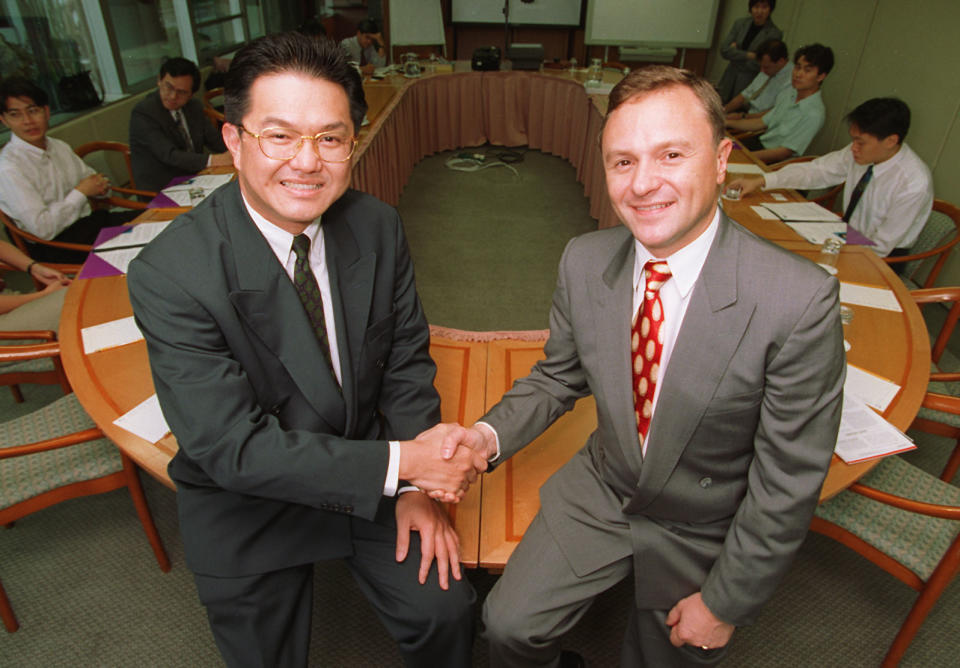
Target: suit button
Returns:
[706, 482]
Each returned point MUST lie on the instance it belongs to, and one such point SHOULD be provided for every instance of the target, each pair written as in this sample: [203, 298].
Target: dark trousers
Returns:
[265, 620]
[82, 231]
[753, 143]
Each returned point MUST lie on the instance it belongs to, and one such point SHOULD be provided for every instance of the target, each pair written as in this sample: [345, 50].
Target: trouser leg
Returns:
[646, 644]
[260, 620]
[432, 627]
[539, 598]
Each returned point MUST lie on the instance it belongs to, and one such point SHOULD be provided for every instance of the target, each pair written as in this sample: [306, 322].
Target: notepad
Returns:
[110, 335]
[870, 388]
[865, 295]
[802, 211]
[145, 420]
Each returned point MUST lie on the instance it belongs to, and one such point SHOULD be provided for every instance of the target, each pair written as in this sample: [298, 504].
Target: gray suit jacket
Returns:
[273, 459]
[741, 71]
[157, 153]
[742, 434]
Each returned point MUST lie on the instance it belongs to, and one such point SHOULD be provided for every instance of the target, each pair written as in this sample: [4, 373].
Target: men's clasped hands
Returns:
[446, 459]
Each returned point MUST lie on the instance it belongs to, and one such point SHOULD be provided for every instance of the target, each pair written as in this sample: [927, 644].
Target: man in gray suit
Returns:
[701, 481]
[169, 133]
[291, 358]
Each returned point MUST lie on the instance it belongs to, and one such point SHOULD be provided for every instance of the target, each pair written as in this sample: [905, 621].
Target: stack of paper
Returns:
[802, 211]
[115, 247]
[206, 183]
[864, 435]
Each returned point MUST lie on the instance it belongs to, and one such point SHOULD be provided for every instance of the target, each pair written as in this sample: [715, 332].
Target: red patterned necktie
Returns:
[646, 344]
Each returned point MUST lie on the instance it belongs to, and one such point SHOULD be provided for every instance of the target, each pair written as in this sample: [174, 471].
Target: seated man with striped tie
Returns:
[889, 190]
[168, 131]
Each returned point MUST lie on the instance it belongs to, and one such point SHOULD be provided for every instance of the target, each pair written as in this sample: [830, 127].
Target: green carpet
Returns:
[486, 244]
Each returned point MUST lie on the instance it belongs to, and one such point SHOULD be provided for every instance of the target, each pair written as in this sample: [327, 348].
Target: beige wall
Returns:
[882, 48]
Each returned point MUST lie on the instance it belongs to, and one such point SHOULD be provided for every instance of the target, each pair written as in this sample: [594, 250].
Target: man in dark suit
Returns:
[169, 131]
[717, 405]
[290, 355]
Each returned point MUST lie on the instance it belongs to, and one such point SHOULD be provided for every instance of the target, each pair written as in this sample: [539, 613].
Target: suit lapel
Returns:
[612, 297]
[710, 334]
[351, 281]
[266, 299]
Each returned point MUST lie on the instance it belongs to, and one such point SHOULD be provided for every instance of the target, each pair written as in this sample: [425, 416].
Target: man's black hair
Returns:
[818, 55]
[290, 52]
[774, 49]
[22, 87]
[882, 117]
[181, 67]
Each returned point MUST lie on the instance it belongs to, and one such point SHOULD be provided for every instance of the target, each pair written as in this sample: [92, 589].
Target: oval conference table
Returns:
[475, 369]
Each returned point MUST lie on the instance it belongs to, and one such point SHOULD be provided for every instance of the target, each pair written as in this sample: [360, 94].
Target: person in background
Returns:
[169, 133]
[366, 48]
[741, 44]
[38, 310]
[313, 27]
[773, 78]
[798, 113]
[888, 194]
[44, 185]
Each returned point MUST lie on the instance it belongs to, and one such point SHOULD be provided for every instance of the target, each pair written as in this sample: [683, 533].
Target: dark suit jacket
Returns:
[272, 459]
[156, 144]
[741, 437]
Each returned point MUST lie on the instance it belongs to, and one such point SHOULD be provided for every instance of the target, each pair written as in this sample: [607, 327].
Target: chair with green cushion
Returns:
[930, 251]
[940, 412]
[905, 521]
[57, 453]
[37, 371]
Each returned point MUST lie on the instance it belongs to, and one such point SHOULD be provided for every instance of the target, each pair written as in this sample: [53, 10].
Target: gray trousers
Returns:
[539, 598]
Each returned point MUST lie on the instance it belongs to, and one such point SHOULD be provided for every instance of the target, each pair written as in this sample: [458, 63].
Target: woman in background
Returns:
[740, 47]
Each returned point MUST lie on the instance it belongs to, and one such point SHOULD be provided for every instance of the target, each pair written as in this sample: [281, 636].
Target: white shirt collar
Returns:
[685, 264]
[21, 145]
[280, 241]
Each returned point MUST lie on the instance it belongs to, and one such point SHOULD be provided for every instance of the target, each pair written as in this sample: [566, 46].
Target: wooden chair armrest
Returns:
[934, 295]
[30, 351]
[133, 191]
[64, 441]
[39, 334]
[921, 507]
[942, 402]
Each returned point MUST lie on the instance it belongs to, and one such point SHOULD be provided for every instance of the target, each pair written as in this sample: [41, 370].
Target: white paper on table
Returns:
[110, 335]
[802, 211]
[780, 197]
[182, 197]
[864, 295]
[865, 435]
[138, 235]
[145, 420]
[870, 388]
[118, 257]
[744, 168]
[817, 233]
[764, 212]
[205, 181]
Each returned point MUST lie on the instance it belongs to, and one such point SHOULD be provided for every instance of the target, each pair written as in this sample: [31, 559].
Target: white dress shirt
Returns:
[37, 186]
[281, 243]
[685, 267]
[895, 205]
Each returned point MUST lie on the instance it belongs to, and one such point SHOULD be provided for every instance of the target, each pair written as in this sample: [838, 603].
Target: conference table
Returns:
[412, 118]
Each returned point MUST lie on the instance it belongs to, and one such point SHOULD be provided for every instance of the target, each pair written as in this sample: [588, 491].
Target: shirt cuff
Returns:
[393, 470]
[496, 438]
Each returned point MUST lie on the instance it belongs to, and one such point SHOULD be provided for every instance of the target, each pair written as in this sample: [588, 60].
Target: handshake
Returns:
[444, 460]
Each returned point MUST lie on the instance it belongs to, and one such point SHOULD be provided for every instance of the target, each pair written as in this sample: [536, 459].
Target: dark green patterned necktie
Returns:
[306, 284]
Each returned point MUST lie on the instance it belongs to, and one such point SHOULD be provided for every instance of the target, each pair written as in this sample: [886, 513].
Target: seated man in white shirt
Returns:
[797, 114]
[894, 201]
[366, 47]
[773, 78]
[44, 185]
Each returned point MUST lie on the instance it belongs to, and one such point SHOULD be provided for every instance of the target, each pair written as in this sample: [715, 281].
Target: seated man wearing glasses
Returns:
[290, 355]
[169, 132]
[44, 185]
